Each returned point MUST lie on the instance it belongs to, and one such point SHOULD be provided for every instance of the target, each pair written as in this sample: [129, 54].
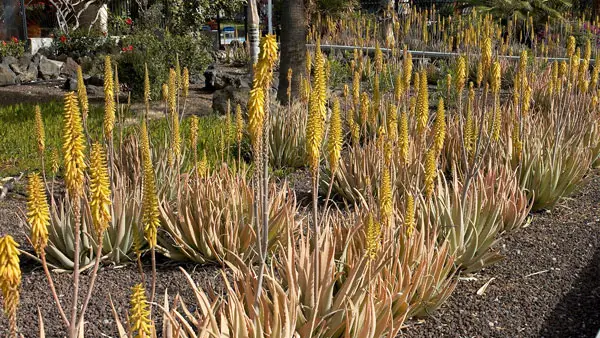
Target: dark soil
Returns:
[548, 285]
[113, 281]
[199, 101]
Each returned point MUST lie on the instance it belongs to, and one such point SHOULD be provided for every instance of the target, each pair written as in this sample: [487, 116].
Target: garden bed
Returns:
[548, 285]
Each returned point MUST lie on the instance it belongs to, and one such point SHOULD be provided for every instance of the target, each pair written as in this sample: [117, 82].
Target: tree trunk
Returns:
[253, 31]
[293, 47]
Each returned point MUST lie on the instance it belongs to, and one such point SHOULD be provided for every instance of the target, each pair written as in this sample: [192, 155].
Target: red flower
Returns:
[14, 39]
[104, 33]
[128, 21]
[3, 43]
[130, 48]
[63, 39]
[123, 49]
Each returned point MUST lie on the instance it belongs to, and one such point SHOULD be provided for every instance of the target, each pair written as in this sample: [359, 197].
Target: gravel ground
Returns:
[548, 285]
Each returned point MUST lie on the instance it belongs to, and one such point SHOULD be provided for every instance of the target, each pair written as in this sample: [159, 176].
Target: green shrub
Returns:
[159, 49]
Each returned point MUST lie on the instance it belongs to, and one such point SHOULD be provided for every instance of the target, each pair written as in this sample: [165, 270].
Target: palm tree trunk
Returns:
[293, 47]
[253, 30]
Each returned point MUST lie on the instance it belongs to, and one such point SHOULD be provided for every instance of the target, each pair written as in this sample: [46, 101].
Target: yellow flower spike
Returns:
[430, 171]
[526, 97]
[256, 116]
[554, 77]
[175, 135]
[386, 196]
[523, 64]
[440, 126]
[100, 196]
[570, 46]
[239, 124]
[517, 143]
[165, 93]
[497, 123]
[314, 133]
[378, 59]
[40, 135]
[392, 122]
[109, 99]
[73, 147]
[423, 104]
[407, 67]
[186, 82]
[461, 73]
[448, 83]
[150, 213]
[10, 280]
[335, 141]
[562, 70]
[364, 109]
[486, 54]
[146, 88]
[194, 133]
[82, 94]
[38, 212]
[587, 54]
[356, 89]
[479, 75]
[289, 80]
[398, 87]
[346, 91]
[403, 138]
[55, 161]
[373, 234]
[409, 215]
[594, 79]
[202, 168]
[172, 98]
[496, 77]
[139, 318]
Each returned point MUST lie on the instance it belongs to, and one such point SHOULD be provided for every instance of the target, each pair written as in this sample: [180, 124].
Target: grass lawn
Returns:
[18, 147]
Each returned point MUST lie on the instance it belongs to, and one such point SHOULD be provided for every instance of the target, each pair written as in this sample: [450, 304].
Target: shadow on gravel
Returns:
[578, 312]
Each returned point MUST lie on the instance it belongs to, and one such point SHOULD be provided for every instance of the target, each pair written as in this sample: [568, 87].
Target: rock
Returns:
[94, 80]
[236, 95]
[70, 84]
[9, 60]
[61, 58]
[49, 69]
[197, 78]
[212, 78]
[7, 76]
[94, 90]
[25, 73]
[216, 78]
[26, 59]
[36, 59]
[69, 69]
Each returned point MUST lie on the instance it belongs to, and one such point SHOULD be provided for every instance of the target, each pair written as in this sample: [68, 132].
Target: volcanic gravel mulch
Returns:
[548, 285]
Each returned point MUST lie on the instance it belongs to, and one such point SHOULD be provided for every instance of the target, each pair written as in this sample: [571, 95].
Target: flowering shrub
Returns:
[13, 47]
[81, 43]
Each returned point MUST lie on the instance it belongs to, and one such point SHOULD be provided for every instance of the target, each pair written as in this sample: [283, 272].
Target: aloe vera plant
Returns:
[206, 225]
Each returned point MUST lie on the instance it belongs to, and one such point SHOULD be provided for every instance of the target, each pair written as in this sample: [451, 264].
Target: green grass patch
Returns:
[18, 146]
